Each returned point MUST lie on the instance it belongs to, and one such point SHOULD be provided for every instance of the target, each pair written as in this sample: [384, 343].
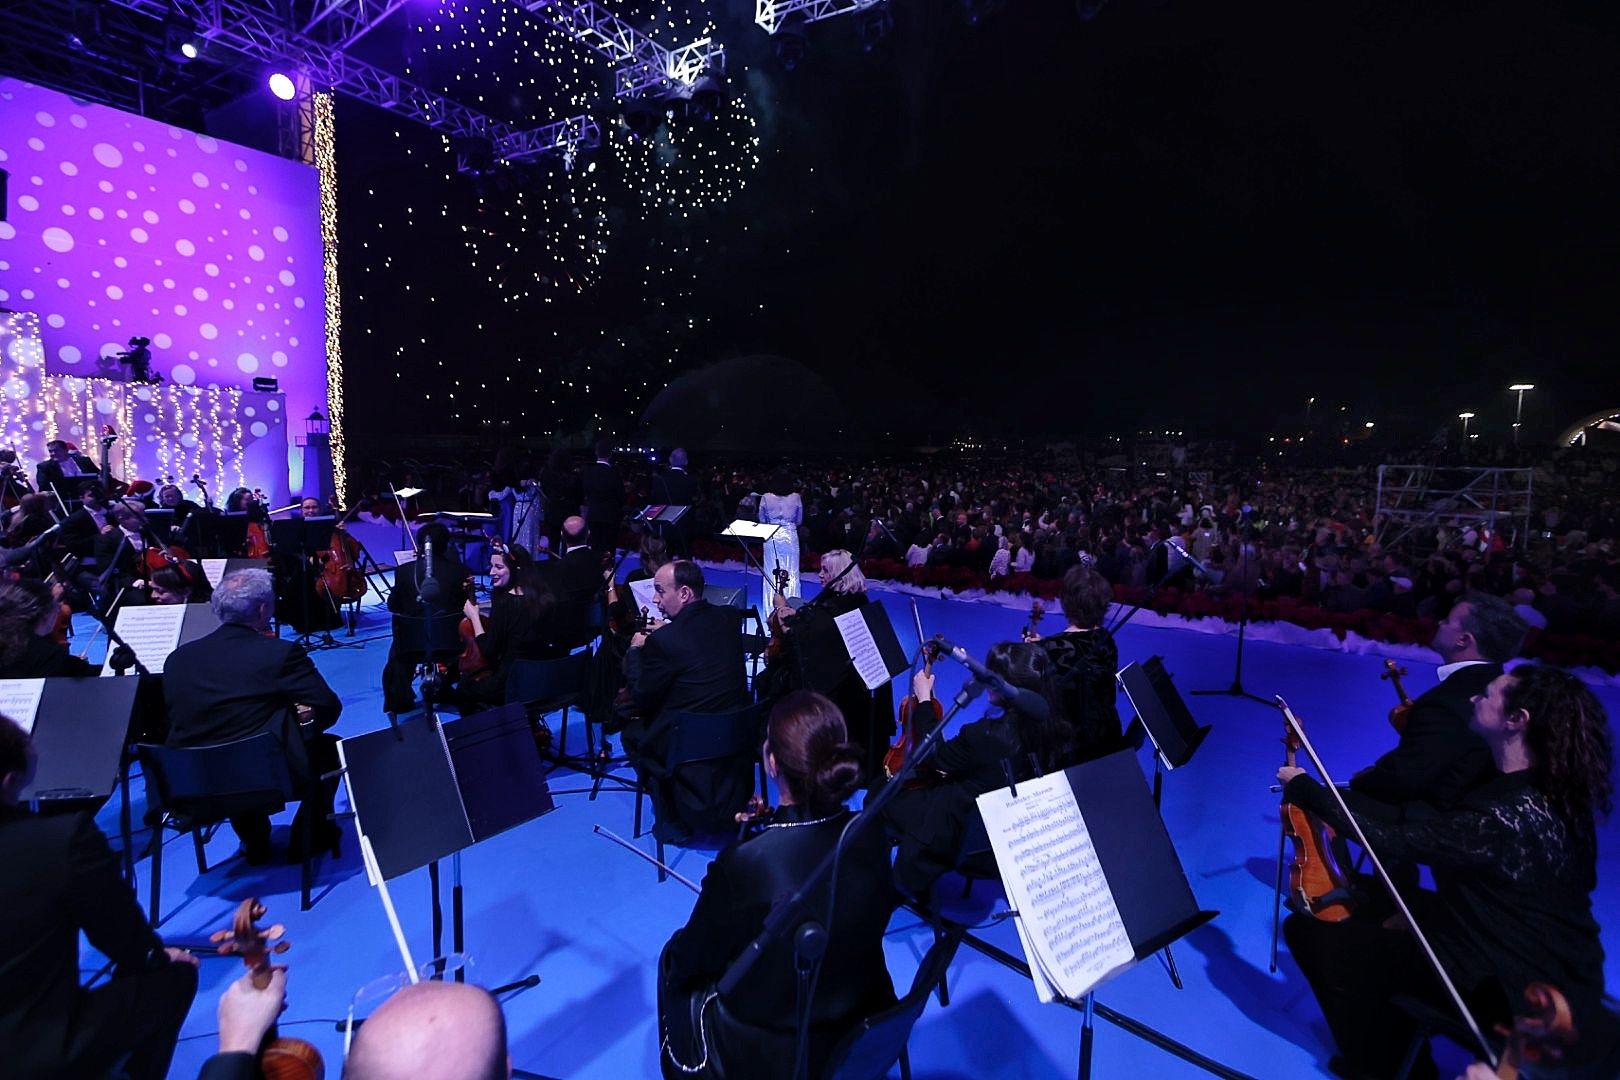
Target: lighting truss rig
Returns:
[772, 14]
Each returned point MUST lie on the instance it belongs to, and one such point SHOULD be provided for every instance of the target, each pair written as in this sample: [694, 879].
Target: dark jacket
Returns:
[673, 487]
[60, 877]
[1439, 759]
[604, 497]
[576, 581]
[48, 474]
[743, 884]
[43, 658]
[236, 682]
[444, 618]
[694, 664]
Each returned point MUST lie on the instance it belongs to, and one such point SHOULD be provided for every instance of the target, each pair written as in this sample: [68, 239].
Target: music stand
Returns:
[742, 531]
[423, 790]
[223, 534]
[1162, 716]
[664, 519]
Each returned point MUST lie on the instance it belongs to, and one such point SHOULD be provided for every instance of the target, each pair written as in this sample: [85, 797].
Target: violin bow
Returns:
[1394, 893]
[628, 846]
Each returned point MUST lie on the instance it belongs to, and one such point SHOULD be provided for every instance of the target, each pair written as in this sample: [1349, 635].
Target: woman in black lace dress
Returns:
[1082, 662]
[1514, 868]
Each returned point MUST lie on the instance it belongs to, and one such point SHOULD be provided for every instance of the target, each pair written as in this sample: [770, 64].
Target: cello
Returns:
[341, 580]
[279, 1058]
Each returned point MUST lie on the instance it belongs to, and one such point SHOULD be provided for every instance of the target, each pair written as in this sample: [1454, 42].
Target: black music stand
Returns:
[1142, 870]
[221, 535]
[306, 537]
[825, 660]
[664, 518]
[422, 791]
[1161, 716]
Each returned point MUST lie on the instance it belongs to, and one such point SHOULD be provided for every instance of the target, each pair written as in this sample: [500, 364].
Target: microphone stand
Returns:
[793, 913]
[1236, 689]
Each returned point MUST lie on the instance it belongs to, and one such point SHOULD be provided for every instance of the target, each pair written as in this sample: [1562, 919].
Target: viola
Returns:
[279, 1059]
[1397, 715]
[1316, 884]
[914, 712]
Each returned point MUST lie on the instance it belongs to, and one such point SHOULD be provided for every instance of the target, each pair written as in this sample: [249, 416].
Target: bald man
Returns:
[575, 577]
[432, 1031]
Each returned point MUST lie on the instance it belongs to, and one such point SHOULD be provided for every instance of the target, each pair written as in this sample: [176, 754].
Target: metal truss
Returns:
[1415, 500]
[255, 29]
[341, 23]
[642, 66]
[771, 14]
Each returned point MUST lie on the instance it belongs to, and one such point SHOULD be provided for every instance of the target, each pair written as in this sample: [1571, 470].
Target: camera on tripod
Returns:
[138, 358]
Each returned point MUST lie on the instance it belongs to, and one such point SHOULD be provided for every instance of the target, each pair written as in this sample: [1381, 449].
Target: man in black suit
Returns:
[120, 552]
[85, 521]
[60, 878]
[416, 627]
[675, 487]
[1439, 759]
[693, 662]
[604, 498]
[64, 471]
[237, 682]
[576, 578]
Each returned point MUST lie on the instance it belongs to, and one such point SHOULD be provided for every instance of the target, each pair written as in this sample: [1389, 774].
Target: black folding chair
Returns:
[694, 738]
[548, 685]
[879, 1041]
[195, 788]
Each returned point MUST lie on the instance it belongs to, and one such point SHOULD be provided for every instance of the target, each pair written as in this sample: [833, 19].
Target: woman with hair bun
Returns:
[753, 1031]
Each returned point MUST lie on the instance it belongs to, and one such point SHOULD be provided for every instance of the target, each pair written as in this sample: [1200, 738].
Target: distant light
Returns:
[1465, 416]
[189, 50]
[282, 86]
[1521, 387]
[1369, 423]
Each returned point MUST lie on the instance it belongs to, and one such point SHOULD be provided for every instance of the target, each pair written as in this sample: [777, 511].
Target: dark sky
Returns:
[1175, 214]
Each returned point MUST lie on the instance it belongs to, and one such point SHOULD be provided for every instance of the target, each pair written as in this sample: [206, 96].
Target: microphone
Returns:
[430, 590]
[1027, 702]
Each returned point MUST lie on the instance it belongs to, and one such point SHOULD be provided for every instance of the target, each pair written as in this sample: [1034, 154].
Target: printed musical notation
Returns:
[152, 632]
[19, 699]
[1069, 925]
[863, 648]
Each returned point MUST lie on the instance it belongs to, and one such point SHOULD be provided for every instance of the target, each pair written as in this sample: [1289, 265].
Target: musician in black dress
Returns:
[28, 614]
[931, 821]
[1514, 867]
[753, 1031]
[519, 626]
[1083, 660]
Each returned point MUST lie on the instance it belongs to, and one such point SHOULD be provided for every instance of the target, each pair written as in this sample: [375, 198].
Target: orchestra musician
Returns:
[170, 497]
[415, 625]
[64, 471]
[519, 626]
[1514, 867]
[86, 522]
[603, 508]
[301, 605]
[28, 616]
[180, 582]
[930, 821]
[674, 486]
[1084, 660]
[693, 662]
[61, 879]
[752, 1032]
[239, 681]
[120, 553]
[575, 579]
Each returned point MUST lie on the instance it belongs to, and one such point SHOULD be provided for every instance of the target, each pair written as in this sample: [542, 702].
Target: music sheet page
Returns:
[213, 570]
[1068, 922]
[863, 649]
[152, 631]
[19, 699]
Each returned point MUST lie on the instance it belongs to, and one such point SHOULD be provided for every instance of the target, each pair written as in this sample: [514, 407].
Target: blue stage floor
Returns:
[554, 899]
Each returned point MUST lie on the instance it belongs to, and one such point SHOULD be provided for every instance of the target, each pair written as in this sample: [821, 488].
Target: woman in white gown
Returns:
[780, 505]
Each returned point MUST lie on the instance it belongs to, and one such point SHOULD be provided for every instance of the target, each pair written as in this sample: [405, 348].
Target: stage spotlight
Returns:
[874, 25]
[790, 44]
[282, 86]
[181, 43]
[475, 154]
[642, 116]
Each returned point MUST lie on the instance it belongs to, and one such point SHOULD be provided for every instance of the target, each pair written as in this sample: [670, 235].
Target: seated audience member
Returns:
[1515, 864]
[753, 1032]
[693, 662]
[930, 822]
[520, 626]
[61, 879]
[1083, 660]
[432, 1031]
[28, 615]
[237, 682]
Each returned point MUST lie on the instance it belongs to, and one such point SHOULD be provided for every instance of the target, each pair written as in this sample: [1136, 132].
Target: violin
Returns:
[472, 663]
[778, 640]
[910, 733]
[279, 1059]
[1541, 1034]
[1397, 715]
[1316, 884]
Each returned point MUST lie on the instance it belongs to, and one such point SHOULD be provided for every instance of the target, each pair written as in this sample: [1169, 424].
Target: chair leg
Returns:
[635, 833]
[306, 833]
[197, 846]
[157, 871]
[943, 989]
[905, 1063]
[562, 734]
[663, 876]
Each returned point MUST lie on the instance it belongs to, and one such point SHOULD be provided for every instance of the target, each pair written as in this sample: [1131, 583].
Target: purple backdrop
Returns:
[118, 226]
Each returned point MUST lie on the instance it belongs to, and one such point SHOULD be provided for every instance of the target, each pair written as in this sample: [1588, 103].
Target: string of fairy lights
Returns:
[326, 165]
[538, 239]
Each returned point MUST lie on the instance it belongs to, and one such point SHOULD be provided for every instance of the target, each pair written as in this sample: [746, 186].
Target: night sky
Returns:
[1171, 215]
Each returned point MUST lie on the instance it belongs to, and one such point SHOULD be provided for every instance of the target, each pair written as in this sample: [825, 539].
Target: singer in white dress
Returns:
[783, 549]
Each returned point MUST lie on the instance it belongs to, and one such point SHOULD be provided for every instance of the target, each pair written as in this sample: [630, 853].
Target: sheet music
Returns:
[1068, 922]
[750, 530]
[645, 597]
[152, 632]
[214, 571]
[19, 699]
[862, 648]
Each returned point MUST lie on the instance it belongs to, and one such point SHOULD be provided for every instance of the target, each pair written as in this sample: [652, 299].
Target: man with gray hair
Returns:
[239, 681]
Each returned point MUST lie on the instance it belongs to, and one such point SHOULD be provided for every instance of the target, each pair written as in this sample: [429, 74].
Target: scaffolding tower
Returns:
[1415, 500]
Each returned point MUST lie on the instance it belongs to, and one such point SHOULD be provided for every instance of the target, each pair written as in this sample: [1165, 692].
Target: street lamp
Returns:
[1465, 417]
[1518, 411]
